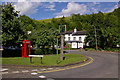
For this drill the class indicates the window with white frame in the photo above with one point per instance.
(69, 38)
(74, 38)
(80, 39)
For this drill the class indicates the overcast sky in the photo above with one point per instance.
(46, 10)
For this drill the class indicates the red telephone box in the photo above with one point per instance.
(26, 48)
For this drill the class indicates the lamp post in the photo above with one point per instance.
(57, 49)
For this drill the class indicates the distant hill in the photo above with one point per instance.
(49, 20)
(66, 18)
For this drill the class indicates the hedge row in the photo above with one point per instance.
(43, 51)
(17, 53)
(11, 53)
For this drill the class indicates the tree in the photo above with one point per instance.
(11, 26)
(111, 30)
(27, 24)
(62, 21)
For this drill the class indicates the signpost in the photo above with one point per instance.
(62, 30)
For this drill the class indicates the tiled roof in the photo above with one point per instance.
(77, 33)
(68, 32)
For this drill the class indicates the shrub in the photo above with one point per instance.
(18, 53)
(68, 45)
(86, 49)
(38, 52)
(44, 51)
(11, 53)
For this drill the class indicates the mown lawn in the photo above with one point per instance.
(48, 60)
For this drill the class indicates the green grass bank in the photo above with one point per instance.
(48, 60)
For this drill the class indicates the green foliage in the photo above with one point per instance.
(37, 52)
(11, 26)
(68, 46)
(90, 49)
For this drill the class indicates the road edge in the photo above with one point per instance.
(91, 60)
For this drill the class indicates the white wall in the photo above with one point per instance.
(77, 37)
(74, 44)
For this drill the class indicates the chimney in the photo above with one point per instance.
(75, 30)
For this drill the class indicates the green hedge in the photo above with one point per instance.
(11, 53)
(44, 51)
(113, 49)
(18, 53)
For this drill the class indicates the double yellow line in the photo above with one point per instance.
(91, 60)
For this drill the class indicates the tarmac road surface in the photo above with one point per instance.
(105, 65)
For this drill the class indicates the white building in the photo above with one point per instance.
(75, 38)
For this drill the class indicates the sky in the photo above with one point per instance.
(46, 10)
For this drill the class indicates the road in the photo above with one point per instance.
(105, 65)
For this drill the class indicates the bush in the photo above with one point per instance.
(68, 45)
(38, 52)
(18, 52)
(11, 53)
(113, 49)
(44, 51)
(86, 49)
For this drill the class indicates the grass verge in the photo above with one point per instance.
(48, 60)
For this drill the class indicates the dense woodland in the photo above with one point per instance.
(44, 32)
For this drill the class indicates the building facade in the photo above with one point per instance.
(75, 38)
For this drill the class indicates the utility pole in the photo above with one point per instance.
(57, 49)
(95, 38)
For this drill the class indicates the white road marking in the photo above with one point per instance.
(50, 68)
(15, 72)
(34, 70)
(34, 73)
(4, 72)
(3, 69)
(42, 76)
(25, 71)
(43, 69)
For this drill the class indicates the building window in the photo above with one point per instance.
(79, 38)
(74, 44)
(74, 38)
(69, 38)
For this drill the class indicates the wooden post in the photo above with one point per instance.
(41, 60)
(61, 55)
(30, 59)
(62, 43)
